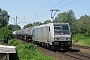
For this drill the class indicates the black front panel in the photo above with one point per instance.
(62, 32)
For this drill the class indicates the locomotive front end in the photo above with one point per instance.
(62, 36)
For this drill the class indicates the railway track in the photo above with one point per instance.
(81, 54)
(82, 49)
(73, 54)
(78, 55)
(61, 55)
(79, 46)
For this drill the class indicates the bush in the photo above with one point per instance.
(78, 37)
(28, 51)
(81, 40)
(5, 34)
(13, 42)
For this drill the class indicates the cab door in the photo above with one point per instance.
(34, 34)
(48, 34)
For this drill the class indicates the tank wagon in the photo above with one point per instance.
(14, 34)
(53, 35)
(28, 34)
(24, 34)
(18, 34)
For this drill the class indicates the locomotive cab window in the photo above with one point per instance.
(57, 28)
(65, 27)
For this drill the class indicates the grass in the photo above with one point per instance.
(28, 51)
(80, 39)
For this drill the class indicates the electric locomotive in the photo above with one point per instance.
(55, 36)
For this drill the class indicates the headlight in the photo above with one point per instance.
(62, 33)
(55, 39)
(68, 38)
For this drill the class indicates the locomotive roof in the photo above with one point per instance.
(49, 24)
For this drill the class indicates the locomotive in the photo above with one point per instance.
(55, 36)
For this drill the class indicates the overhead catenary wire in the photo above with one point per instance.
(43, 14)
(58, 8)
(45, 11)
(44, 5)
(37, 10)
(60, 2)
(48, 12)
(67, 4)
(21, 20)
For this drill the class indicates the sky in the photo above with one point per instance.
(29, 11)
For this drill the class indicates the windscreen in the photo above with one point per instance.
(61, 29)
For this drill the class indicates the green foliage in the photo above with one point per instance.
(80, 39)
(85, 42)
(36, 23)
(83, 25)
(27, 51)
(66, 17)
(47, 21)
(28, 25)
(78, 26)
(5, 34)
(4, 18)
(14, 27)
(13, 42)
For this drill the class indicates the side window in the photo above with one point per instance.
(49, 28)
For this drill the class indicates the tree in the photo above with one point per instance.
(47, 21)
(36, 23)
(14, 27)
(67, 17)
(33, 24)
(28, 25)
(84, 25)
(4, 18)
(5, 34)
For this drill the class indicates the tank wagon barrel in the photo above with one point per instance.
(28, 34)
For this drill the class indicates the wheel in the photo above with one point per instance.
(53, 48)
(48, 46)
